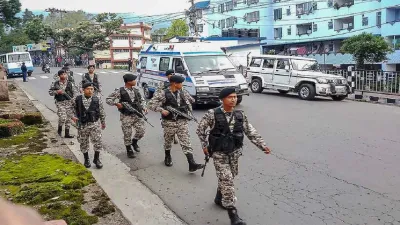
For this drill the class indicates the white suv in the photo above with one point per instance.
(296, 74)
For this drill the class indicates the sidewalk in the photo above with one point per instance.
(138, 204)
(375, 98)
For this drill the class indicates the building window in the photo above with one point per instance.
(222, 24)
(330, 25)
(278, 32)
(200, 28)
(235, 3)
(289, 31)
(199, 13)
(330, 47)
(288, 11)
(305, 8)
(252, 17)
(251, 2)
(230, 21)
(164, 63)
(364, 20)
(229, 6)
(330, 3)
(315, 27)
(221, 8)
(277, 14)
(378, 19)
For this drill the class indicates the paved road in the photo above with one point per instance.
(332, 162)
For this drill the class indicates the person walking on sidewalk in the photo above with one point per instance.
(70, 75)
(91, 77)
(64, 92)
(180, 100)
(90, 117)
(129, 119)
(24, 70)
(224, 144)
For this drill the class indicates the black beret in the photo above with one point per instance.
(129, 77)
(67, 64)
(61, 72)
(90, 66)
(226, 92)
(176, 79)
(87, 84)
(65, 68)
(169, 72)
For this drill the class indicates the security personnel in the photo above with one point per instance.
(64, 92)
(173, 125)
(224, 145)
(91, 77)
(70, 74)
(90, 116)
(165, 85)
(130, 95)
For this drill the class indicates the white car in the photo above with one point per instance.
(295, 74)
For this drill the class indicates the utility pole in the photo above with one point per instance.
(193, 19)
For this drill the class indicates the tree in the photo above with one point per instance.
(8, 10)
(159, 34)
(27, 16)
(177, 28)
(37, 31)
(14, 38)
(366, 47)
(71, 19)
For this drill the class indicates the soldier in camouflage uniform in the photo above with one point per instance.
(165, 85)
(70, 74)
(130, 95)
(90, 117)
(64, 92)
(91, 77)
(173, 125)
(224, 144)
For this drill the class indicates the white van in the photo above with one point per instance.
(294, 74)
(204, 65)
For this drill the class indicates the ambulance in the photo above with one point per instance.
(205, 67)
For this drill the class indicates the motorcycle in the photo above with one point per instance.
(46, 68)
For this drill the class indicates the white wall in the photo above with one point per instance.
(121, 55)
(120, 43)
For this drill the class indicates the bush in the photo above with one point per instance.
(10, 127)
(31, 118)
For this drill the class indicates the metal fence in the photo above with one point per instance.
(385, 82)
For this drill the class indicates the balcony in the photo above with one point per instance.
(305, 28)
(393, 15)
(337, 4)
(346, 23)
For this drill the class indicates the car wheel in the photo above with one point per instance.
(147, 93)
(256, 86)
(307, 91)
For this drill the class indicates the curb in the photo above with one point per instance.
(137, 203)
(375, 99)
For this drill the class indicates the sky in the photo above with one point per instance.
(141, 7)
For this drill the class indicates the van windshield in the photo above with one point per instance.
(305, 65)
(14, 58)
(199, 64)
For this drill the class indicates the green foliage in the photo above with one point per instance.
(71, 19)
(8, 10)
(366, 48)
(37, 31)
(177, 28)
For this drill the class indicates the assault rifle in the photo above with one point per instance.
(188, 116)
(64, 93)
(133, 110)
(205, 164)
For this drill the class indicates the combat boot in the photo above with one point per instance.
(168, 158)
(67, 135)
(135, 145)
(87, 161)
(175, 140)
(130, 152)
(218, 199)
(193, 166)
(235, 219)
(96, 160)
(59, 131)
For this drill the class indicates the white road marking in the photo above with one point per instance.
(103, 72)
(19, 79)
(79, 73)
(44, 77)
(115, 72)
(32, 78)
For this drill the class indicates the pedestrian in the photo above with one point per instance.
(224, 145)
(70, 75)
(129, 64)
(165, 85)
(172, 124)
(130, 95)
(91, 77)
(64, 93)
(24, 70)
(90, 116)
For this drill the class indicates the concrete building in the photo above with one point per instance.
(311, 28)
(124, 46)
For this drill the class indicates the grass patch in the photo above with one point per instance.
(48, 182)
(31, 140)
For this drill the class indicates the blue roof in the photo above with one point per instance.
(243, 46)
(202, 5)
(224, 38)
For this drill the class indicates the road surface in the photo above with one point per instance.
(332, 162)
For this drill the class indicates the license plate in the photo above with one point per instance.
(340, 89)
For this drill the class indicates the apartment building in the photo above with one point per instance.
(311, 28)
(124, 46)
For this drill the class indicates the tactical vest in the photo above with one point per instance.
(136, 104)
(92, 114)
(95, 81)
(221, 139)
(166, 84)
(171, 101)
(68, 90)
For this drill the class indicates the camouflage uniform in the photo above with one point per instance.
(129, 121)
(64, 108)
(226, 165)
(97, 91)
(171, 127)
(90, 130)
(70, 77)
